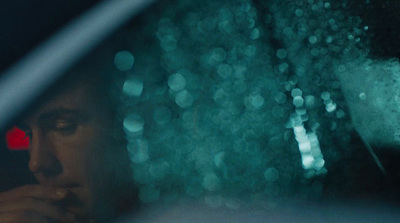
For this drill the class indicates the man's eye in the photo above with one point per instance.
(65, 126)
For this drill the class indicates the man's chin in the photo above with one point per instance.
(86, 209)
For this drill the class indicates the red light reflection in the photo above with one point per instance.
(16, 139)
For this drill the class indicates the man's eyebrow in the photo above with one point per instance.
(59, 112)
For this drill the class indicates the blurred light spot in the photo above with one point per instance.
(362, 96)
(133, 124)
(124, 60)
(250, 51)
(255, 34)
(312, 39)
(298, 12)
(298, 101)
(271, 175)
(307, 161)
(224, 71)
(310, 102)
(138, 150)
(16, 139)
(330, 107)
(281, 53)
(280, 98)
(218, 54)
(133, 87)
(177, 82)
(283, 67)
(256, 101)
(314, 52)
(219, 159)
(340, 114)
(296, 92)
(184, 99)
(325, 95)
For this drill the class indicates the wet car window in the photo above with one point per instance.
(224, 105)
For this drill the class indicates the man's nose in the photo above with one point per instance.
(43, 159)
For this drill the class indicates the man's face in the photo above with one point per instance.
(69, 135)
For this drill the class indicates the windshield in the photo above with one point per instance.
(230, 107)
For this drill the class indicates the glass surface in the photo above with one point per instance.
(229, 107)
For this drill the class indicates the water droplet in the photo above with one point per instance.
(330, 107)
(255, 34)
(224, 71)
(184, 99)
(271, 175)
(340, 114)
(363, 96)
(301, 111)
(310, 101)
(225, 26)
(218, 54)
(342, 68)
(280, 98)
(325, 95)
(314, 52)
(124, 60)
(219, 160)
(281, 53)
(256, 101)
(250, 51)
(296, 92)
(298, 101)
(307, 161)
(133, 124)
(329, 39)
(298, 12)
(312, 39)
(138, 151)
(133, 87)
(169, 43)
(283, 67)
(177, 82)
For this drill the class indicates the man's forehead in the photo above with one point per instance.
(77, 97)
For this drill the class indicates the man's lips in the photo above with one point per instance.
(73, 201)
(72, 198)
